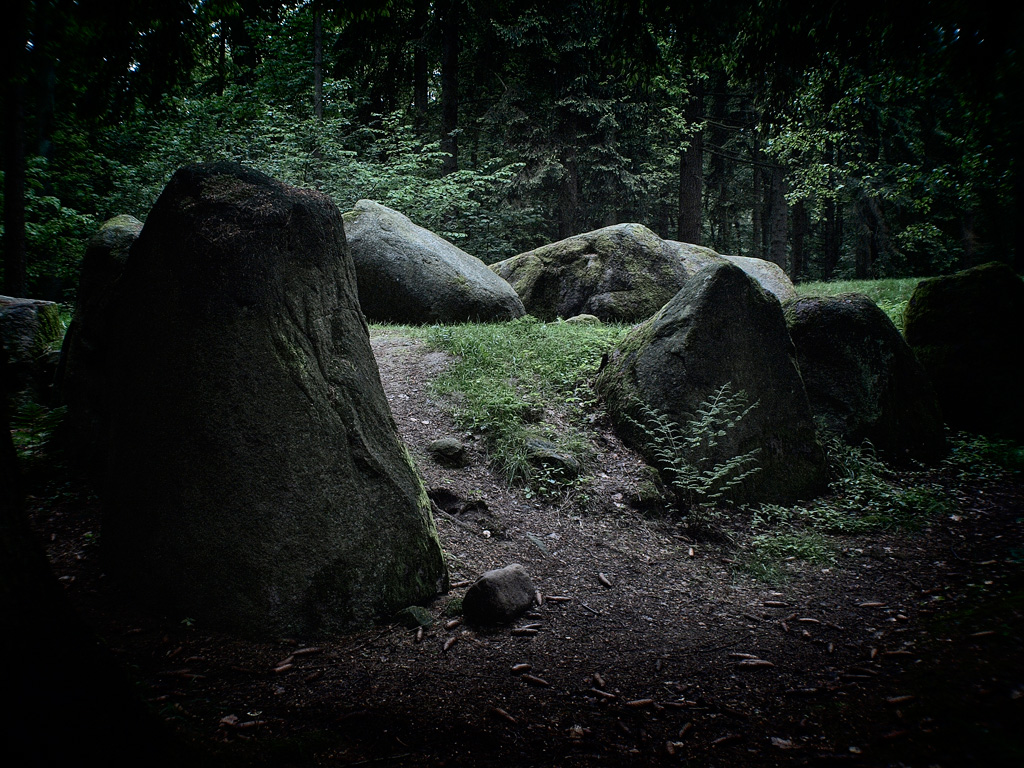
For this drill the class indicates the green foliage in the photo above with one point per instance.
(32, 427)
(570, 117)
(975, 457)
(864, 496)
(685, 454)
(514, 381)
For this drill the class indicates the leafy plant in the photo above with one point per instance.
(685, 455)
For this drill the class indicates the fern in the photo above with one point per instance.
(684, 455)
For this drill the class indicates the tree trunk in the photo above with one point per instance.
(569, 193)
(801, 225)
(757, 249)
(691, 176)
(450, 86)
(721, 170)
(318, 62)
(778, 218)
(868, 215)
(419, 61)
(15, 246)
(833, 248)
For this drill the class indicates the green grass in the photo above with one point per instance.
(524, 379)
(891, 294)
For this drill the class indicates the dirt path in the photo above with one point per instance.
(649, 648)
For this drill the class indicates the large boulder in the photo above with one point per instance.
(768, 274)
(967, 330)
(408, 274)
(29, 329)
(622, 273)
(81, 373)
(862, 378)
(255, 478)
(721, 329)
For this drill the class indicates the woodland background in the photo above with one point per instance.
(840, 140)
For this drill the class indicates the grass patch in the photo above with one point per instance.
(891, 294)
(525, 380)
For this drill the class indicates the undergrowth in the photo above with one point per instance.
(865, 496)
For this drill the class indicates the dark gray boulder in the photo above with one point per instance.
(407, 274)
(499, 596)
(862, 378)
(721, 329)
(768, 275)
(622, 273)
(82, 371)
(255, 478)
(29, 329)
(967, 330)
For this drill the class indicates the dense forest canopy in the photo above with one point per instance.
(862, 139)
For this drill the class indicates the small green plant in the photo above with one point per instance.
(686, 456)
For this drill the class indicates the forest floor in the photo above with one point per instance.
(649, 648)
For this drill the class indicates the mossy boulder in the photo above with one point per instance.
(768, 275)
(81, 373)
(29, 329)
(255, 478)
(862, 378)
(622, 273)
(721, 329)
(967, 330)
(407, 274)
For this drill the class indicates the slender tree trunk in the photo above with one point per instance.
(222, 58)
(719, 203)
(569, 195)
(419, 61)
(778, 218)
(868, 240)
(318, 62)
(691, 176)
(757, 209)
(833, 248)
(450, 86)
(801, 225)
(15, 246)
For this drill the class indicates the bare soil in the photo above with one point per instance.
(649, 648)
